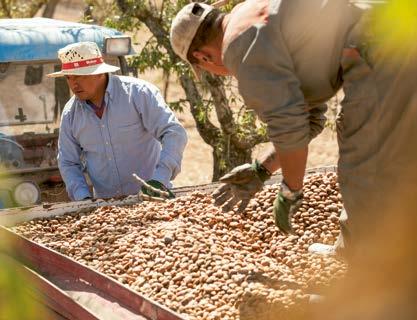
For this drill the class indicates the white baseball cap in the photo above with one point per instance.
(184, 28)
(82, 58)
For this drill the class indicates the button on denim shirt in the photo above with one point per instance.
(137, 133)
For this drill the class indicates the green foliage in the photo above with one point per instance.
(152, 57)
(333, 107)
(20, 8)
(246, 123)
(262, 130)
(178, 105)
(98, 11)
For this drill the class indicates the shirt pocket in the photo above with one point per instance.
(90, 140)
(129, 127)
(128, 136)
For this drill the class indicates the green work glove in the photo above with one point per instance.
(240, 184)
(156, 185)
(285, 205)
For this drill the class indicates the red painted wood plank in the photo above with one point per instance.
(53, 264)
(46, 293)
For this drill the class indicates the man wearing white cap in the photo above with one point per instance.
(118, 125)
(290, 57)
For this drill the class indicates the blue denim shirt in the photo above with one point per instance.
(137, 133)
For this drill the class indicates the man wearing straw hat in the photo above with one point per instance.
(291, 56)
(116, 126)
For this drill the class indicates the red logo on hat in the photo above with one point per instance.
(83, 63)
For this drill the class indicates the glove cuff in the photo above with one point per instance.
(261, 171)
(159, 185)
(288, 193)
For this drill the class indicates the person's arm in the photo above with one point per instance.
(69, 162)
(268, 82)
(270, 160)
(161, 122)
(293, 164)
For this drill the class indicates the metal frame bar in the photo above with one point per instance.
(13, 216)
(12, 172)
(276, 178)
(24, 123)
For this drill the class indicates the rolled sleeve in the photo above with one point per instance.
(166, 170)
(161, 122)
(268, 84)
(81, 193)
(69, 163)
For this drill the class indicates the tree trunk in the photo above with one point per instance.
(227, 157)
(230, 149)
(5, 8)
(50, 8)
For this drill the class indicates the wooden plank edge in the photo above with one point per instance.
(49, 262)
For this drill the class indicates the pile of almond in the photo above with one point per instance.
(201, 262)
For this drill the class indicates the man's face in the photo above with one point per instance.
(209, 58)
(85, 87)
(218, 70)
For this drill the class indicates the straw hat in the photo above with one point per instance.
(82, 58)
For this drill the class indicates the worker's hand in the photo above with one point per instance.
(285, 205)
(157, 185)
(240, 184)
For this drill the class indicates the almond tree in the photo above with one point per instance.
(238, 131)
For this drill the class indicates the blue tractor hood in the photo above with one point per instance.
(40, 38)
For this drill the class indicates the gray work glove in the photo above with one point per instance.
(240, 184)
(285, 205)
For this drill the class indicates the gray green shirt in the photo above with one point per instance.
(288, 67)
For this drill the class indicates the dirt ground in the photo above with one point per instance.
(197, 161)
